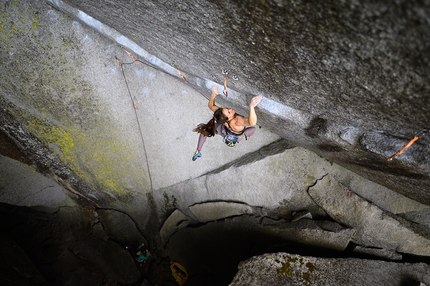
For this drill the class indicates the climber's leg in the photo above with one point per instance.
(249, 131)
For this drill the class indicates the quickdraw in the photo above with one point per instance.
(225, 73)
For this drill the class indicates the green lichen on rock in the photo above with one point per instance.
(55, 136)
(44, 83)
(297, 268)
(104, 162)
(16, 19)
(109, 161)
(286, 268)
(311, 266)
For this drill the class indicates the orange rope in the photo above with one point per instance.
(404, 148)
(131, 56)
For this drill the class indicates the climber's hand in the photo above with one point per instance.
(255, 101)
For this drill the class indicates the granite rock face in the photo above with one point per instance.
(373, 227)
(99, 140)
(322, 217)
(347, 80)
(288, 269)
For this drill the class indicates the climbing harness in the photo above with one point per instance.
(231, 138)
(409, 144)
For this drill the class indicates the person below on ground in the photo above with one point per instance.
(227, 123)
(142, 254)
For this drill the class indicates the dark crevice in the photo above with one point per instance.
(238, 238)
(124, 213)
(313, 185)
(316, 182)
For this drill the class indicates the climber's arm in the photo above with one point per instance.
(211, 103)
(252, 116)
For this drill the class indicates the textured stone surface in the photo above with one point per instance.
(381, 253)
(219, 210)
(374, 227)
(173, 223)
(346, 80)
(288, 269)
(279, 181)
(310, 234)
(84, 113)
(120, 226)
(15, 180)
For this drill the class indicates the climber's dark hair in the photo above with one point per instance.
(209, 129)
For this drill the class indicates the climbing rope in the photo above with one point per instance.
(133, 100)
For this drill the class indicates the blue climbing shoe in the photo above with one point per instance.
(196, 155)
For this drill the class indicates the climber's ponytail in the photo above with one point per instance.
(209, 129)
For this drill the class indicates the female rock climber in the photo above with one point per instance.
(227, 123)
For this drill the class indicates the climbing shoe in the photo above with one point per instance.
(196, 155)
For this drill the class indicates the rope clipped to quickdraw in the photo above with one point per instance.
(409, 144)
(182, 78)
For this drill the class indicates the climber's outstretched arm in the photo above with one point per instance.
(252, 116)
(211, 103)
